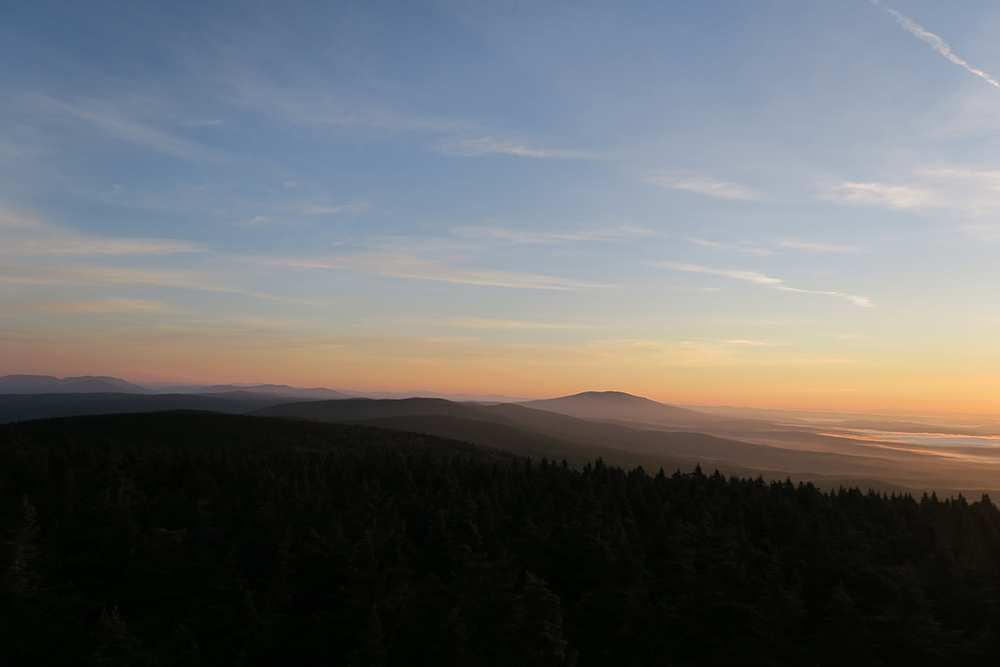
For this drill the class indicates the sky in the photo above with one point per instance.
(759, 203)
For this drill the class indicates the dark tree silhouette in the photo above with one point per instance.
(198, 538)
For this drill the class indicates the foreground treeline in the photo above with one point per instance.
(187, 538)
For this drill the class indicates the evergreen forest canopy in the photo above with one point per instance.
(196, 538)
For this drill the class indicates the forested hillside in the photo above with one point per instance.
(22, 407)
(195, 538)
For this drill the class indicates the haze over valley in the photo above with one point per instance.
(881, 452)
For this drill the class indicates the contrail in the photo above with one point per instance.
(938, 45)
(761, 279)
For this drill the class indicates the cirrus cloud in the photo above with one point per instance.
(488, 145)
(761, 279)
(704, 185)
(822, 247)
(99, 306)
(395, 265)
(21, 235)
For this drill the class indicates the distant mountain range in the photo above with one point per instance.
(318, 393)
(47, 384)
(774, 451)
(534, 432)
(621, 407)
(624, 429)
(24, 407)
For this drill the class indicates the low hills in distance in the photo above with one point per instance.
(619, 406)
(802, 454)
(623, 429)
(23, 407)
(47, 384)
(318, 393)
(44, 384)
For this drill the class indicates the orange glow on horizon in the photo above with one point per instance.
(471, 367)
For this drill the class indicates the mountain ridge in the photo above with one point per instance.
(83, 384)
(529, 431)
(620, 406)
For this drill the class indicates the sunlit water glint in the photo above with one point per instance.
(929, 439)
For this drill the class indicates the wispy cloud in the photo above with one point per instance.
(489, 145)
(884, 194)
(406, 266)
(291, 214)
(69, 245)
(518, 236)
(22, 235)
(353, 207)
(11, 220)
(749, 276)
(962, 192)
(211, 122)
(986, 178)
(113, 123)
(496, 324)
(455, 136)
(386, 119)
(705, 185)
(746, 248)
(244, 84)
(761, 279)
(639, 352)
(938, 45)
(487, 323)
(743, 341)
(118, 275)
(822, 247)
(108, 305)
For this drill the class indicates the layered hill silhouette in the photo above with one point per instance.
(621, 407)
(532, 432)
(89, 384)
(319, 393)
(47, 384)
(23, 407)
(612, 405)
(623, 429)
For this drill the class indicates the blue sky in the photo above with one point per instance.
(745, 202)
